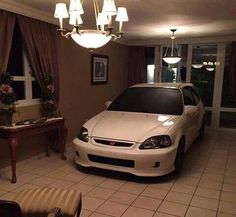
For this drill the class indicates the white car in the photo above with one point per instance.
(144, 131)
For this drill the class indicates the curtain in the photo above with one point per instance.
(137, 67)
(232, 72)
(40, 45)
(7, 23)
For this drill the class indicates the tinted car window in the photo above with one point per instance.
(149, 100)
(188, 97)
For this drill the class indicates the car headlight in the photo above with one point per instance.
(156, 142)
(83, 134)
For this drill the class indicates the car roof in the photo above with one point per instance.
(164, 84)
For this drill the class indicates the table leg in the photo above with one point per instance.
(13, 142)
(62, 141)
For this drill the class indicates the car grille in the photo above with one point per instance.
(113, 143)
(111, 161)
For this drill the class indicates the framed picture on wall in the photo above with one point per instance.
(99, 69)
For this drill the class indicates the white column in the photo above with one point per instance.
(219, 76)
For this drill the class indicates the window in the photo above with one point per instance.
(24, 84)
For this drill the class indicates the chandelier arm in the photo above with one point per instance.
(167, 49)
(66, 35)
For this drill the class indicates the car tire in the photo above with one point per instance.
(180, 156)
(202, 129)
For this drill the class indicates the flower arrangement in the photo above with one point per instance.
(7, 98)
(48, 97)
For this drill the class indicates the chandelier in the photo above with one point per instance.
(91, 38)
(174, 56)
(210, 66)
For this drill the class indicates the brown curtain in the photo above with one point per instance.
(40, 45)
(7, 23)
(232, 72)
(137, 67)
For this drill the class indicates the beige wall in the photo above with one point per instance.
(79, 100)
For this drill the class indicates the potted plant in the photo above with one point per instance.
(7, 99)
(50, 108)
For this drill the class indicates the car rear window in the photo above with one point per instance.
(149, 100)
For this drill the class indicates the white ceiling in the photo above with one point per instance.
(152, 19)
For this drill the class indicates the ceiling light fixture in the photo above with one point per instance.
(174, 56)
(210, 66)
(197, 65)
(91, 38)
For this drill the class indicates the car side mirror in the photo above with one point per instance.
(190, 109)
(108, 103)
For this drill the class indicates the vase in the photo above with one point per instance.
(6, 119)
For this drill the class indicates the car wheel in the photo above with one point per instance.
(179, 156)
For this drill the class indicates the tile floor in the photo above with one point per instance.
(206, 187)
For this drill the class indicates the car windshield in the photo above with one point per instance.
(149, 100)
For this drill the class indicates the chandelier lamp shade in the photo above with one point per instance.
(173, 57)
(103, 30)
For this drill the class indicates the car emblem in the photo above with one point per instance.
(112, 143)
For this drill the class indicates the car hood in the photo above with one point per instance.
(129, 126)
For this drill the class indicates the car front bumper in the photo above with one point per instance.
(156, 162)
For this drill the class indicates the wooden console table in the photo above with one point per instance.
(12, 134)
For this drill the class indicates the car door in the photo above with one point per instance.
(192, 113)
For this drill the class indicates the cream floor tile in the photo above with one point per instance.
(210, 184)
(85, 213)
(123, 197)
(229, 197)
(214, 171)
(155, 193)
(82, 187)
(112, 184)
(68, 167)
(171, 208)
(41, 171)
(2, 192)
(227, 207)
(213, 177)
(137, 212)
(183, 189)
(230, 180)
(159, 214)
(43, 181)
(102, 193)
(198, 212)
(204, 203)
(75, 176)
(186, 180)
(58, 174)
(112, 208)
(162, 185)
(25, 186)
(90, 203)
(209, 193)
(178, 197)
(8, 196)
(8, 186)
(27, 177)
(147, 203)
(133, 188)
(61, 184)
(229, 188)
(93, 180)
(95, 214)
(222, 214)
